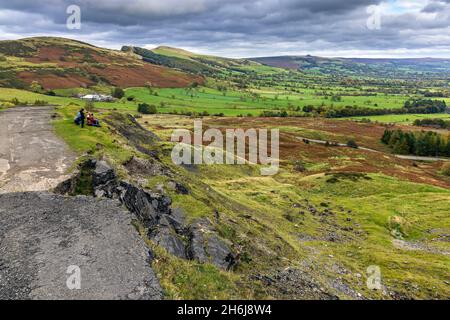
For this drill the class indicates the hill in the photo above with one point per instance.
(57, 63)
(200, 64)
(398, 68)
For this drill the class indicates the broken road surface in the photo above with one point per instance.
(57, 247)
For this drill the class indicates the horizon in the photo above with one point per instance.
(252, 57)
(391, 29)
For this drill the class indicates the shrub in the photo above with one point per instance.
(147, 109)
(89, 106)
(446, 169)
(40, 103)
(352, 144)
(6, 104)
(118, 93)
(299, 166)
(36, 87)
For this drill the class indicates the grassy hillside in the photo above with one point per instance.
(396, 68)
(212, 66)
(62, 63)
(306, 233)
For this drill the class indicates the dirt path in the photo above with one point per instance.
(58, 247)
(32, 157)
(405, 157)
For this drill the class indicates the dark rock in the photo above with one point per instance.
(167, 226)
(206, 246)
(68, 186)
(151, 256)
(219, 252)
(313, 210)
(146, 206)
(217, 215)
(102, 174)
(293, 283)
(169, 240)
(196, 250)
(177, 220)
(104, 180)
(137, 166)
(181, 189)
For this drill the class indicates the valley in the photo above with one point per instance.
(342, 202)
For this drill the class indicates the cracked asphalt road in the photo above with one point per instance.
(32, 157)
(43, 234)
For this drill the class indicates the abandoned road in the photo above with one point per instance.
(54, 246)
(32, 158)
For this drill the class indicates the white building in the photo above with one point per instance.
(97, 97)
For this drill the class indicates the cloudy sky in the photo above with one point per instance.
(245, 28)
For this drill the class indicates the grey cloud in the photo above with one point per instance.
(235, 27)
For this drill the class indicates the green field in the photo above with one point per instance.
(403, 118)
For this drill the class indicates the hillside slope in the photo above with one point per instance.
(359, 66)
(200, 64)
(58, 63)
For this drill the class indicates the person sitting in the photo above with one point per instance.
(92, 121)
(89, 119)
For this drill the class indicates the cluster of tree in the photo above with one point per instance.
(436, 123)
(433, 94)
(349, 111)
(146, 108)
(354, 111)
(272, 114)
(118, 93)
(425, 106)
(171, 62)
(415, 106)
(424, 143)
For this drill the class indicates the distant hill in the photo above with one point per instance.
(399, 68)
(62, 63)
(58, 63)
(198, 64)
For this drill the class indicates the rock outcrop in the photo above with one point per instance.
(166, 225)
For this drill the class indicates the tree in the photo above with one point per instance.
(352, 144)
(401, 147)
(36, 87)
(386, 136)
(89, 106)
(149, 87)
(118, 93)
(145, 108)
